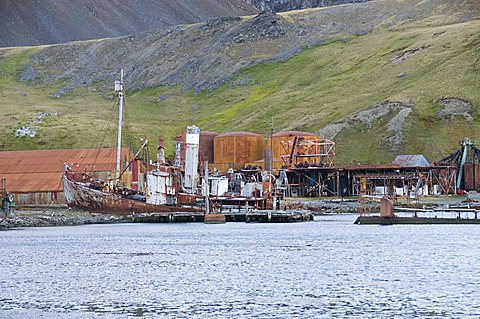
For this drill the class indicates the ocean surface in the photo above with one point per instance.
(322, 269)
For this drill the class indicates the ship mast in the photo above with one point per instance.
(119, 89)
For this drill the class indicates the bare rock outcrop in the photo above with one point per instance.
(368, 116)
(288, 5)
(406, 54)
(454, 107)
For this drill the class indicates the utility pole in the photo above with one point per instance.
(119, 89)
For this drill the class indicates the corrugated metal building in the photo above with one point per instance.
(34, 177)
(411, 161)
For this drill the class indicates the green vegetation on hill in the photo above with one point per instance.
(309, 91)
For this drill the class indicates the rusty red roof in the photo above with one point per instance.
(41, 171)
(411, 161)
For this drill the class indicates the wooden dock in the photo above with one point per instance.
(234, 216)
(390, 215)
(377, 220)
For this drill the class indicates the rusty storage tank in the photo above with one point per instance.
(279, 149)
(235, 149)
(471, 173)
(205, 148)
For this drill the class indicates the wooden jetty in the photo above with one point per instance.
(390, 215)
(377, 220)
(234, 216)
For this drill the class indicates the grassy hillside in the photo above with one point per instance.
(318, 86)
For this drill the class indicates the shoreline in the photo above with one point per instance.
(68, 217)
(62, 216)
(56, 217)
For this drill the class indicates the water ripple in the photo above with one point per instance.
(307, 270)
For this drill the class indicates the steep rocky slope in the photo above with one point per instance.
(381, 78)
(287, 5)
(30, 22)
(205, 55)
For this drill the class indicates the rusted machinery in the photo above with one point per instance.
(466, 160)
(205, 147)
(7, 198)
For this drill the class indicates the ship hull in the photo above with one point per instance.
(79, 196)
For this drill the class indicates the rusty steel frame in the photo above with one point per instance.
(387, 181)
(445, 177)
(301, 181)
(311, 150)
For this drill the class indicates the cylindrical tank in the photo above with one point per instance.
(278, 148)
(205, 151)
(205, 148)
(235, 149)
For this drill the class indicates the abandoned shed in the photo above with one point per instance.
(411, 161)
(34, 177)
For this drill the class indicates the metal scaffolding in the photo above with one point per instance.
(306, 151)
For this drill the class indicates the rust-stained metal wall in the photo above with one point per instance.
(205, 148)
(278, 149)
(471, 176)
(206, 151)
(235, 149)
(39, 198)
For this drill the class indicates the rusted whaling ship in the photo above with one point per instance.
(162, 183)
(85, 195)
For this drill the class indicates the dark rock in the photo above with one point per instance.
(220, 22)
(266, 25)
(301, 33)
(238, 39)
(287, 5)
(164, 97)
(63, 91)
(363, 32)
(436, 34)
(28, 73)
(407, 54)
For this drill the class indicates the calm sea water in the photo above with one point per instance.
(321, 269)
